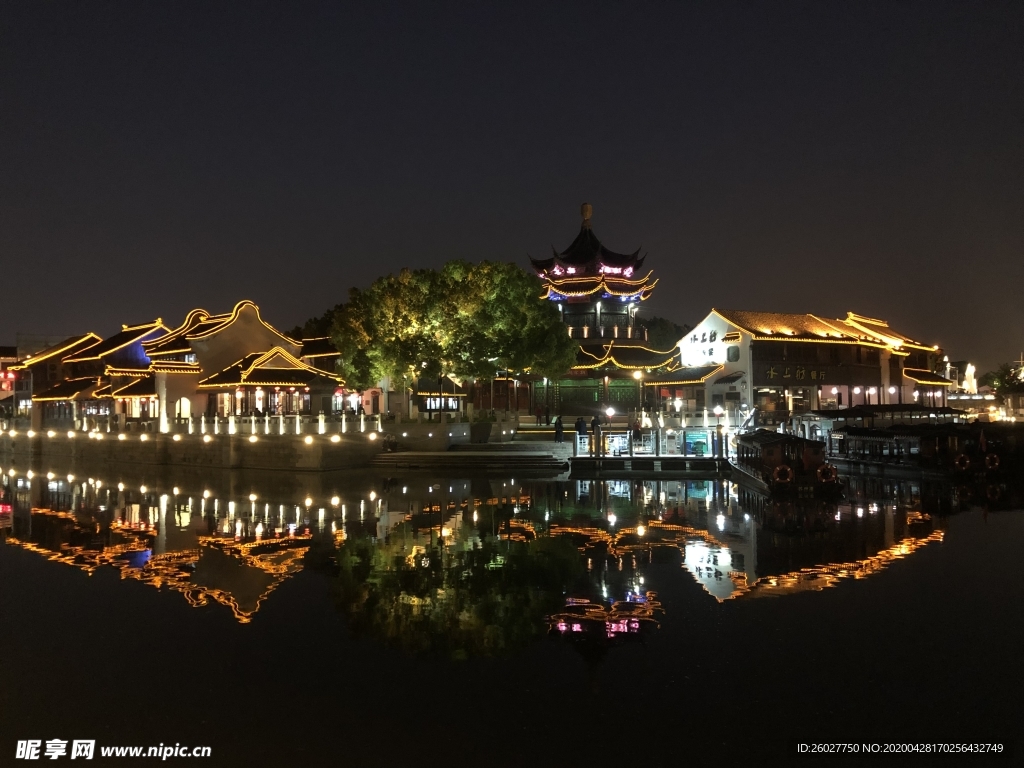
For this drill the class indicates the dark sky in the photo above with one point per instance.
(812, 157)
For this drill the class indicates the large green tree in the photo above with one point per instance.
(467, 320)
(1005, 380)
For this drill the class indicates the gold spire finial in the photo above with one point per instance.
(586, 211)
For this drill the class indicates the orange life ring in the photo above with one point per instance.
(994, 493)
(782, 471)
(962, 462)
(827, 473)
(992, 461)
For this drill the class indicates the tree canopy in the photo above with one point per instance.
(467, 320)
(1005, 380)
(662, 333)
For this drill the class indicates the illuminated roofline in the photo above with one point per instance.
(152, 327)
(234, 317)
(56, 351)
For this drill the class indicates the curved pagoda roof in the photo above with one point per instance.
(588, 256)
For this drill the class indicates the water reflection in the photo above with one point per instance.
(468, 567)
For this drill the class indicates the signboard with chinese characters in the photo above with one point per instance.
(706, 344)
(781, 373)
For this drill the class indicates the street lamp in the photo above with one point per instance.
(718, 411)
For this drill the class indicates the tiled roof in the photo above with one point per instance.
(70, 346)
(682, 376)
(922, 376)
(276, 367)
(70, 389)
(622, 354)
(119, 341)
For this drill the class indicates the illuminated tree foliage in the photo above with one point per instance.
(466, 320)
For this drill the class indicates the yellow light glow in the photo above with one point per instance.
(174, 491)
(51, 433)
(30, 433)
(120, 486)
(207, 438)
(373, 435)
(253, 438)
(142, 489)
(308, 440)
(309, 502)
(206, 494)
(252, 497)
(50, 475)
(176, 438)
(335, 439)
(143, 438)
(335, 501)
(122, 437)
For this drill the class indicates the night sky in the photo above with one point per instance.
(807, 157)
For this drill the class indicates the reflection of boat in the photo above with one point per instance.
(782, 464)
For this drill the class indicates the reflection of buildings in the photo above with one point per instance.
(237, 550)
(162, 544)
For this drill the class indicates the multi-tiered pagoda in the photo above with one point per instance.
(598, 292)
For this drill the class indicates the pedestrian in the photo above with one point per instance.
(559, 430)
(636, 431)
(581, 426)
(598, 439)
(538, 414)
(595, 424)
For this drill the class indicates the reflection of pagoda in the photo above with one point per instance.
(598, 293)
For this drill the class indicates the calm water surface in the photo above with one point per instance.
(413, 619)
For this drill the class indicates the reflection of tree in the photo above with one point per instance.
(486, 599)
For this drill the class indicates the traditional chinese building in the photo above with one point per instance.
(781, 364)
(215, 365)
(598, 292)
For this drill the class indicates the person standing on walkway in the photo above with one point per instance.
(559, 430)
(538, 413)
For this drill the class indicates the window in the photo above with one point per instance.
(732, 353)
